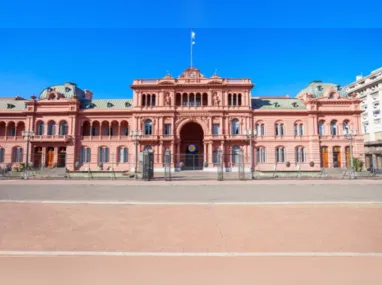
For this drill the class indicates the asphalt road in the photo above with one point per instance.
(193, 193)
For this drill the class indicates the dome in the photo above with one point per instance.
(317, 88)
(68, 90)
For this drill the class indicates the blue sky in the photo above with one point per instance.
(106, 60)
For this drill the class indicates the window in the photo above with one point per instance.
(235, 154)
(63, 129)
(235, 127)
(12, 131)
(261, 155)
(85, 154)
(331, 96)
(321, 128)
(2, 154)
(279, 129)
(376, 113)
(374, 95)
(123, 154)
(345, 127)
(167, 129)
(125, 131)
(260, 129)
(51, 128)
(94, 131)
(215, 129)
(333, 128)
(40, 129)
(148, 147)
(103, 154)
(148, 128)
(215, 157)
(364, 116)
(365, 128)
(280, 154)
(17, 155)
(376, 105)
(377, 121)
(300, 154)
(298, 129)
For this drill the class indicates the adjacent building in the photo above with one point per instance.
(192, 116)
(369, 90)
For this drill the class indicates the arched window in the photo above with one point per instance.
(85, 154)
(103, 156)
(51, 128)
(17, 154)
(123, 154)
(40, 128)
(192, 99)
(63, 130)
(239, 99)
(300, 154)
(143, 100)
(333, 128)
(229, 99)
(185, 99)
(148, 127)
(234, 103)
(153, 100)
(321, 128)
(260, 129)
(279, 129)
(346, 127)
(235, 127)
(280, 154)
(235, 154)
(298, 129)
(261, 154)
(2, 151)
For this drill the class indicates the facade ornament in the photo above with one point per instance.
(167, 99)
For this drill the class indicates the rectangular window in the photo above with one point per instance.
(365, 128)
(296, 130)
(260, 155)
(215, 157)
(301, 130)
(215, 129)
(377, 121)
(123, 155)
(103, 154)
(1, 155)
(376, 113)
(376, 105)
(280, 155)
(85, 155)
(167, 129)
(321, 129)
(17, 154)
(300, 154)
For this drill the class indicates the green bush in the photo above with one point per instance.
(358, 164)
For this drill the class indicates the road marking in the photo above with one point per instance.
(190, 254)
(191, 203)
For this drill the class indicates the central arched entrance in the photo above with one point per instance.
(191, 146)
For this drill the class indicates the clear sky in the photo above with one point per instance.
(106, 60)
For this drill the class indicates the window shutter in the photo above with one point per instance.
(126, 155)
(1, 155)
(101, 159)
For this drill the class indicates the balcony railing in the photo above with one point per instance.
(51, 138)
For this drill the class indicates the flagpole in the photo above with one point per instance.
(191, 48)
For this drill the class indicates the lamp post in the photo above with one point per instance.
(136, 137)
(250, 135)
(27, 135)
(349, 135)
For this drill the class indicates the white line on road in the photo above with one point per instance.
(191, 203)
(190, 254)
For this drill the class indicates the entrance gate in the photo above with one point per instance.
(147, 165)
(240, 165)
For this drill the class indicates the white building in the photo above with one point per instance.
(369, 89)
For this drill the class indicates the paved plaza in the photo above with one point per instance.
(108, 232)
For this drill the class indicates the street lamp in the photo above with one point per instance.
(250, 135)
(136, 137)
(27, 135)
(349, 135)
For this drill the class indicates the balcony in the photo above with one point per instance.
(11, 138)
(51, 138)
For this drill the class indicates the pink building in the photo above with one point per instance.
(192, 116)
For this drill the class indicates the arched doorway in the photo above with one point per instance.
(191, 146)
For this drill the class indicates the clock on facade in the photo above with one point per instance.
(192, 75)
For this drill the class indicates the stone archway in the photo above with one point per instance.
(191, 146)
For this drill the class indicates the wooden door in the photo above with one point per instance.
(324, 157)
(347, 156)
(337, 156)
(50, 155)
